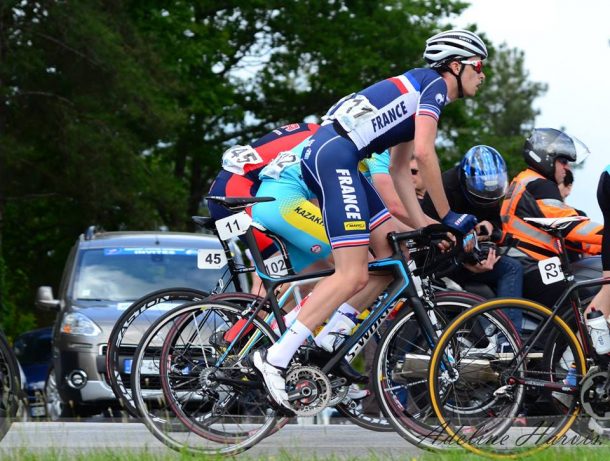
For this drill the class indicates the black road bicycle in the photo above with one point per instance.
(484, 370)
(212, 389)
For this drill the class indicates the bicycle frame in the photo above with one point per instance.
(570, 294)
(401, 286)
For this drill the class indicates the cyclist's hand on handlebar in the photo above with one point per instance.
(448, 243)
(461, 223)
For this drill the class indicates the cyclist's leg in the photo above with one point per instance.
(295, 219)
(343, 201)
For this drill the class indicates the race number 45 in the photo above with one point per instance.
(550, 270)
(234, 225)
(211, 259)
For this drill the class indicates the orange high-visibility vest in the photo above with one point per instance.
(519, 203)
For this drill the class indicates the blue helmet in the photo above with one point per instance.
(483, 176)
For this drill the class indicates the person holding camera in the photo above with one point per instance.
(477, 186)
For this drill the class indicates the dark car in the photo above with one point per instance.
(104, 273)
(33, 350)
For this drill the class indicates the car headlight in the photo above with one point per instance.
(79, 324)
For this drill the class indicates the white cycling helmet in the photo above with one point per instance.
(451, 44)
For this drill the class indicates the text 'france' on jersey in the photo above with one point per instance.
(383, 114)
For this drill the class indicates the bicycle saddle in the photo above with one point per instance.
(237, 203)
(555, 224)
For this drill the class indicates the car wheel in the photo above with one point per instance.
(54, 405)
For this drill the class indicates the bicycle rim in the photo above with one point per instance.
(484, 407)
(206, 432)
(10, 383)
(128, 332)
(401, 374)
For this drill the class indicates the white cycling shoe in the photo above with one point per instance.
(272, 376)
(355, 393)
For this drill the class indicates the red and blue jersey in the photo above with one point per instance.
(249, 160)
(383, 114)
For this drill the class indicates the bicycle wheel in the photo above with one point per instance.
(482, 374)
(451, 303)
(128, 331)
(132, 324)
(400, 372)
(200, 414)
(10, 385)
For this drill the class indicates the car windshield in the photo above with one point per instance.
(126, 274)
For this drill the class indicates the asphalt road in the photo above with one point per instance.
(342, 441)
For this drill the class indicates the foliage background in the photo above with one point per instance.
(116, 112)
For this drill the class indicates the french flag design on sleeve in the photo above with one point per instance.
(432, 99)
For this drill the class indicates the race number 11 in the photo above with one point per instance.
(233, 225)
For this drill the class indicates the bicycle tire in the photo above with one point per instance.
(206, 440)
(398, 383)
(10, 386)
(117, 352)
(353, 412)
(492, 419)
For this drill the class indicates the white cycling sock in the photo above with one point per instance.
(289, 318)
(331, 326)
(280, 354)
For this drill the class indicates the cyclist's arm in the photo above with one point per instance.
(400, 172)
(427, 161)
(384, 186)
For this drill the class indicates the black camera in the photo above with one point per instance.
(479, 254)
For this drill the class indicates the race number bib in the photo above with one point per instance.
(550, 270)
(233, 226)
(211, 259)
(236, 158)
(276, 266)
(279, 163)
(354, 112)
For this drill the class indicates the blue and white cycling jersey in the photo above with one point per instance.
(383, 115)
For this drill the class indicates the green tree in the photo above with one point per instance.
(501, 115)
(82, 100)
(116, 112)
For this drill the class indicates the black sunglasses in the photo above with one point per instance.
(563, 160)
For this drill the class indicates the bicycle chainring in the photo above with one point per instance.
(309, 390)
(594, 395)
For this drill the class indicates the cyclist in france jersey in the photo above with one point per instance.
(242, 164)
(401, 111)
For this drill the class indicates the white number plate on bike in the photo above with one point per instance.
(550, 270)
(149, 367)
(276, 266)
(233, 225)
(211, 259)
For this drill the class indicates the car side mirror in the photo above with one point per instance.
(45, 299)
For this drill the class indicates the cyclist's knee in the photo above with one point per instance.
(353, 279)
